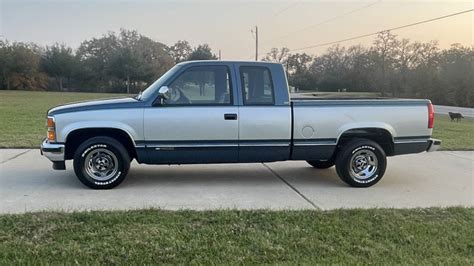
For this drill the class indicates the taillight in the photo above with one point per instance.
(430, 115)
(51, 124)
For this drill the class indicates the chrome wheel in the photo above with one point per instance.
(363, 164)
(101, 164)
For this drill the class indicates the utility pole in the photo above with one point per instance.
(220, 58)
(256, 42)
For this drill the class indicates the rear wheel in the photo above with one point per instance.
(321, 164)
(361, 163)
(101, 163)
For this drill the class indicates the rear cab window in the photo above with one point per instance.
(257, 86)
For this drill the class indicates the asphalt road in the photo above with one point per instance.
(439, 179)
(442, 109)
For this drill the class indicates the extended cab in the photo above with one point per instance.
(234, 112)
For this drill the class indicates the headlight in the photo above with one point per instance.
(51, 125)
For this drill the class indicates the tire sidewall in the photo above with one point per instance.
(100, 143)
(344, 163)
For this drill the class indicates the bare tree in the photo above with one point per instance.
(277, 55)
(385, 48)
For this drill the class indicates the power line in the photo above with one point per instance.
(329, 20)
(375, 33)
(281, 11)
(285, 9)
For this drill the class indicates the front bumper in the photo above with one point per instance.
(433, 145)
(53, 151)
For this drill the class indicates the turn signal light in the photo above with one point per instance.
(50, 122)
(51, 129)
(51, 135)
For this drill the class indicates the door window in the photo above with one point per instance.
(257, 86)
(202, 85)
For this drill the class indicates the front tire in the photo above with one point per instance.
(101, 163)
(361, 163)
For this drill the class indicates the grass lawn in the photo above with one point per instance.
(381, 236)
(22, 116)
(455, 135)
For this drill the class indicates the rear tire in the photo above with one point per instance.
(361, 163)
(101, 163)
(321, 164)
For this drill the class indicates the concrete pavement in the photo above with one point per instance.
(439, 179)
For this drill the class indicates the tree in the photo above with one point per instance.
(6, 63)
(359, 69)
(297, 67)
(59, 61)
(19, 64)
(202, 52)
(181, 51)
(126, 60)
(331, 69)
(277, 55)
(385, 48)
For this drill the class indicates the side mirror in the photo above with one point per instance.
(164, 93)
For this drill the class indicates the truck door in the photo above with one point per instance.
(199, 123)
(264, 114)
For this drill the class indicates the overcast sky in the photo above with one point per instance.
(226, 24)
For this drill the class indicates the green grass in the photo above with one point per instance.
(381, 236)
(455, 135)
(22, 116)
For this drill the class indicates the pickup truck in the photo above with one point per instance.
(234, 112)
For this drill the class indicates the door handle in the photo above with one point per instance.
(230, 116)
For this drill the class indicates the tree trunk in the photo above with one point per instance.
(201, 89)
(60, 79)
(128, 84)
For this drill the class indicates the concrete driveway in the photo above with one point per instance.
(439, 179)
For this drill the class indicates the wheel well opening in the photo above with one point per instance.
(378, 135)
(76, 137)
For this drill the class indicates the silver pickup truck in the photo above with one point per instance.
(234, 112)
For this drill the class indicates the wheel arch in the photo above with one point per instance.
(381, 135)
(77, 136)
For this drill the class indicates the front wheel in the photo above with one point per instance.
(361, 163)
(101, 163)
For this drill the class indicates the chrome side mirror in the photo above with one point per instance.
(164, 92)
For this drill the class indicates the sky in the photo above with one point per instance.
(226, 24)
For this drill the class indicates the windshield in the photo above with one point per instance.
(153, 88)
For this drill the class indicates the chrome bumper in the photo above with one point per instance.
(433, 145)
(54, 152)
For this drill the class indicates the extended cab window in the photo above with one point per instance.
(201, 85)
(257, 87)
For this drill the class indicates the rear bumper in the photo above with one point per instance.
(416, 145)
(433, 145)
(53, 151)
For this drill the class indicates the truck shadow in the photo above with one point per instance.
(229, 175)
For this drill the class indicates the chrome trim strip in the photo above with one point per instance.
(410, 141)
(266, 145)
(192, 146)
(314, 144)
